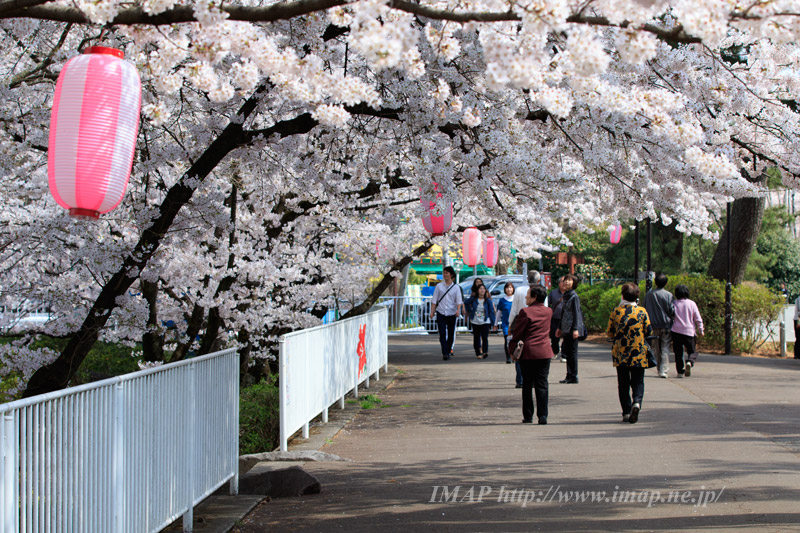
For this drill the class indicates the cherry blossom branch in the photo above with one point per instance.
(285, 11)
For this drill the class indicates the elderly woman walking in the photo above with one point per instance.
(628, 329)
(531, 327)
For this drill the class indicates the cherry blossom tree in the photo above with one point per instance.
(280, 141)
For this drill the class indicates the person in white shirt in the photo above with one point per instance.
(520, 295)
(447, 305)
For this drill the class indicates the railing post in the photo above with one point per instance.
(191, 450)
(9, 504)
(118, 454)
(282, 393)
(783, 333)
(235, 385)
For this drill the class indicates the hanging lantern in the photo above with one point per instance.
(436, 225)
(93, 128)
(471, 246)
(491, 252)
(615, 234)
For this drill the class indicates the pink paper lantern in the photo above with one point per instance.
(615, 234)
(433, 224)
(93, 129)
(471, 246)
(491, 252)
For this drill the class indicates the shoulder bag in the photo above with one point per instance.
(517, 353)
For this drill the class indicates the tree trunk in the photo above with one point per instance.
(153, 340)
(58, 374)
(744, 226)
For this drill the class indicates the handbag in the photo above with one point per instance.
(517, 353)
(651, 356)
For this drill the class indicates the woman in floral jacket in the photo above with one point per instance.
(628, 329)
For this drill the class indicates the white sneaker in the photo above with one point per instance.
(688, 370)
(663, 375)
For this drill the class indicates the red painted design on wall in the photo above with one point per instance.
(362, 349)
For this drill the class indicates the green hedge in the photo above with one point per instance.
(259, 417)
(754, 307)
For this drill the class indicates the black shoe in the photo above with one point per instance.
(542, 420)
(519, 386)
(508, 360)
(527, 421)
(634, 413)
(446, 357)
(573, 380)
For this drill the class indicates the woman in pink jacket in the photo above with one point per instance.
(687, 318)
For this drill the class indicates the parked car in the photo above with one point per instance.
(497, 284)
(466, 284)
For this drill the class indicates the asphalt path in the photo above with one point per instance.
(448, 452)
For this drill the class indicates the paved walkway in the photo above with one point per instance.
(728, 436)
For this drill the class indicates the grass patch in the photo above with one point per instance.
(370, 401)
(713, 405)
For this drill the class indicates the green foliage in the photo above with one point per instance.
(754, 308)
(597, 302)
(777, 255)
(259, 417)
(416, 279)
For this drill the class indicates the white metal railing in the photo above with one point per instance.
(412, 314)
(320, 365)
(130, 453)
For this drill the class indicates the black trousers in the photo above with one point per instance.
(447, 331)
(480, 337)
(796, 341)
(630, 379)
(554, 342)
(679, 342)
(534, 376)
(569, 349)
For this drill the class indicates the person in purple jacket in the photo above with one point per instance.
(687, 318)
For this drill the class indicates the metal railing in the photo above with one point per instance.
(130, 453)
(319, 366)
(412, 314)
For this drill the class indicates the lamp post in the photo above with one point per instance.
(636, 253)
(649, 282)
(728, 286)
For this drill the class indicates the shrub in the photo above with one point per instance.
(259, 417)
(597, 302)
(754, 308)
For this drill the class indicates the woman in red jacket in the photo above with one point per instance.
(532, 328)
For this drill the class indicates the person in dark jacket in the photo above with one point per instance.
(481, 316)
(661, 310)
(554, 302)
(571, 327)
(532, 328)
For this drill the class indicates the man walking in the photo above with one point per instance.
(447, 304)
(661, 310)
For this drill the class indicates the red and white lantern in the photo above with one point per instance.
(433, 224)
(471, 246)
(491, 252)
(615, 234)
(93, 129)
